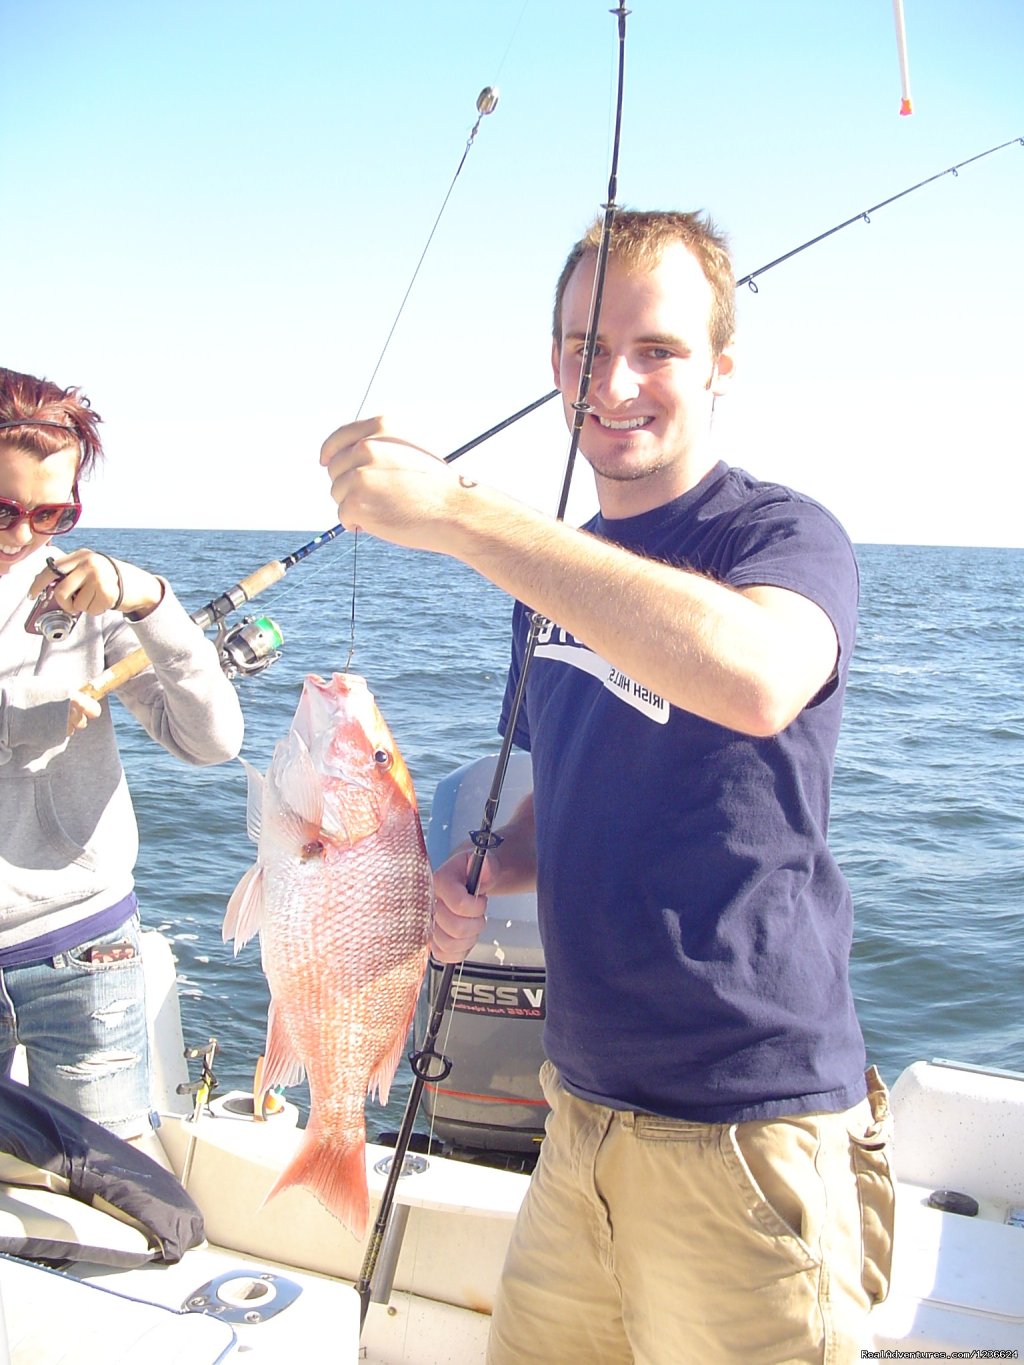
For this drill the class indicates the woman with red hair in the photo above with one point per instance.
(71, 979)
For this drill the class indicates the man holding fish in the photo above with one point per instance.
(713, 1184)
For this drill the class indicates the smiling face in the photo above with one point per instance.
(32, 481)
(654, 378)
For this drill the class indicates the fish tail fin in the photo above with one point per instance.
(335, 1176)
(387, 1064)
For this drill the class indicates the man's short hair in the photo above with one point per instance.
(638, 240)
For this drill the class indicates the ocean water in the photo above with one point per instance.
(928, 799)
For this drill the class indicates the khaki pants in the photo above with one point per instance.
(662, 1242)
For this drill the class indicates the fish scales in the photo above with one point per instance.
(341, 897)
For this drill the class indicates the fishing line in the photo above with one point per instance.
(352, 617)
(486, 103)
(294, 585)
(508, 47)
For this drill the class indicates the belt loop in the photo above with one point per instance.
(880, 1130)
(627, 1118)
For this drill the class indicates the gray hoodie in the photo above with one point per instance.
(68, 836)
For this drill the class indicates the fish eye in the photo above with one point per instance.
(382, 758)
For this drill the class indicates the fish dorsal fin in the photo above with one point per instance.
(244, 914)
(253, 800)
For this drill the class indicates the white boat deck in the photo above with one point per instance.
(958, 1282)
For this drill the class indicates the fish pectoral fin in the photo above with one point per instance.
(244, 914)
(253, 801)
(387, 1064)
(295, 778)
(280, 1064)
(335, 831)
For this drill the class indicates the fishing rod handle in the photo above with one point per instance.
(244, 591)
(113, 677)
(262, 578)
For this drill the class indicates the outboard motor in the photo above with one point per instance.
(491, 1101)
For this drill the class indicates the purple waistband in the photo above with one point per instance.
(71, 935)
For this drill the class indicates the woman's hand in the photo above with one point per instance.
(91, 582)
(83, 709)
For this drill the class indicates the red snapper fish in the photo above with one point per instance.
(341, 896)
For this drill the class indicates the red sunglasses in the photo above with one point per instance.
(48, 519)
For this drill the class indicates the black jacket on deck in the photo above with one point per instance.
(95, 1163)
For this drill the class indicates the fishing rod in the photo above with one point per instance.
(249, 647)
(484, 839)
(865, 214)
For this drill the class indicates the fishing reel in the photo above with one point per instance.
(249, 646)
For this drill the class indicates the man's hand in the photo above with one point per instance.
(390, 487)
(510, 867)
(459, 918)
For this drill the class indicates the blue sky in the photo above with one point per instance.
(213, 209)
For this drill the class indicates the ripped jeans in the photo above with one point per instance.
(83, 1026)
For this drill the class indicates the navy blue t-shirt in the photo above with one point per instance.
(696, 927)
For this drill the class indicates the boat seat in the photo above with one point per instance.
(961, 1127)
(957, 1280)
(44, 1223)
(53, 1318)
